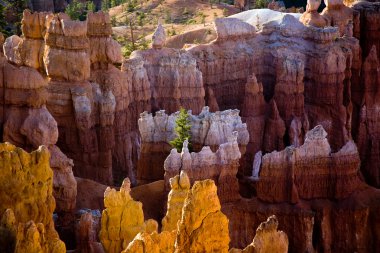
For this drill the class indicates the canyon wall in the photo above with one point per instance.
(25, 119)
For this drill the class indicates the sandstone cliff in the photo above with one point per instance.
(25, 120)
(333, 175)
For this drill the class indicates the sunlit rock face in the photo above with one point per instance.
(28, 205)
(26, 121)
(310, 171)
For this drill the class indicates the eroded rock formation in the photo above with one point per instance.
(368, 136)
(339, 15)
(334, 175)
(28, 206)
(122, 219)
(311, 15)
(180, 187)
(267, 239)
(207, 129)
(203, 227)
(26, 122)
(222, 166)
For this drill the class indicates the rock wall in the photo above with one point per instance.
(333, 175)
(25, 120)
(367, 135)
(221, 166)
(211, 129)
(28, 207)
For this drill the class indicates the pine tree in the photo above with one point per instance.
(3, 23)
(182, 130)
(14, 10)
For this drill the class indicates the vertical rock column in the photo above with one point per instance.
(73, 100)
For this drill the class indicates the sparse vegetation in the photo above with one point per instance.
(261, 4)
(11, 11)
(78, 10)
(182, 130)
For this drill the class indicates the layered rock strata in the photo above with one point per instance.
(367, 25)
(334, 175)
(317, 190)
(339, 15)
(25, 120)
(368, 137)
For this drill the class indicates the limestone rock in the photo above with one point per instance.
(367, 25)
(33, 25)
(31, 237)
(287, 169)
(22, 172)
(64, 183)
(180, 187)
(274, 130)
(86, 234)
(222, 167)
(367, 137)
(212, 129)
(10, 47)
(159, 37)
(122, 219)
(40, 128)
(155, 243)
(103, 49)
(208, 128)
(230, 28)
(203, 227)
(267, 239)
(66, 51)
(311, 15)
(339, 15)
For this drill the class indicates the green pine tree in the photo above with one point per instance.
(182, 130)
(3, 23)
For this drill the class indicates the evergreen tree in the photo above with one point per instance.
(182, 130)
(78, 10)
(3, 23)
(14, 10)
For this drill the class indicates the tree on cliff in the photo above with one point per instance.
(182, 130)
(78, 10)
